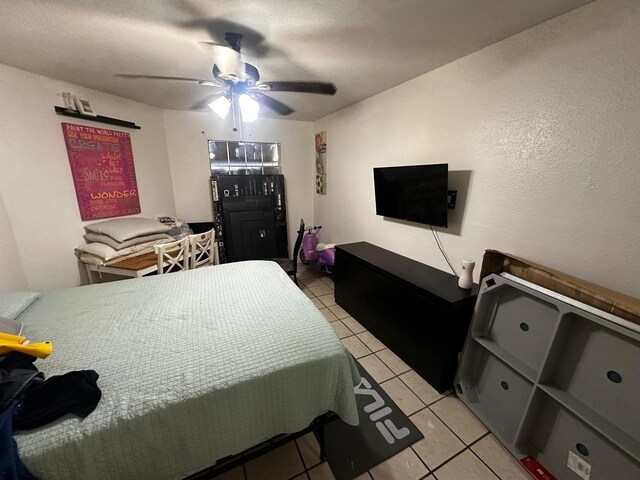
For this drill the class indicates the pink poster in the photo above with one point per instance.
(103, 172)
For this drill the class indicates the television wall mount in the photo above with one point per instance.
(451, 199)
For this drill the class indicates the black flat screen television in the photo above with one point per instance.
(417, 193)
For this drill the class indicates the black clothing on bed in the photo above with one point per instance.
(17, 372)
(11, 467)
(27, 401)
(74, 392)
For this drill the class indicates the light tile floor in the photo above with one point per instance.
(456, 444)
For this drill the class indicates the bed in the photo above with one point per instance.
(194, 366)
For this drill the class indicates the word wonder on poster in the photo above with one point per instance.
(103, 171)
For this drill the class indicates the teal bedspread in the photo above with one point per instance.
(194, 366)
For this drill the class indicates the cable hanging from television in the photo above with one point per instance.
(442, 250)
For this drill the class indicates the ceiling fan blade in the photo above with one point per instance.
(213, 44)
(208, 83)
(322, 88)
(199, 105)
(251, 72)
(272, 104)
(253, 42)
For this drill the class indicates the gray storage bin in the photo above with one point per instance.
(601, 369)
(498, 393)
(555, 432)
(518, 321)
(573, 376)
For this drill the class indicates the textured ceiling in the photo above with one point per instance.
(364, 47)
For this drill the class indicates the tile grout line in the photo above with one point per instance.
(466, 447)
(311, 467)
(397, 375)
(417, 411)
(384, 381)
(480, 458)
(457, 436)
(420, 458)
(427, 405)
(385, 363)
(304, 472)
(304, 465)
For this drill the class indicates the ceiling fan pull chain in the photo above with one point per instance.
(234, 105)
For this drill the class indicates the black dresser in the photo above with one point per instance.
(418, 311)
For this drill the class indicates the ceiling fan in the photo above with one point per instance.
(239, 84)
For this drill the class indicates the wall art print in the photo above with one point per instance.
(103, 172)
(321, 163)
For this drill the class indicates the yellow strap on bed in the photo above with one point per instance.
(12, 338)
(40, 349)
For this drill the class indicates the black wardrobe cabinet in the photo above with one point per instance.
(419, 312)
(250, 217)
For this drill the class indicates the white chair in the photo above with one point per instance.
(173, 256)
(204, 249)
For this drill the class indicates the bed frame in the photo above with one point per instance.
(227, 463)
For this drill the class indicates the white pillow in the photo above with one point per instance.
(106, 239)
(104, 253)
(13, 304)
(90, 259)
(98, 249)
(122, 229)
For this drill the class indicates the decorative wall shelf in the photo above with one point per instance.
(99, 118)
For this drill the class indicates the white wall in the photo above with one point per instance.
(39, 218)
(12, 277)
(547, 123)
(187, 134)
(36, 182)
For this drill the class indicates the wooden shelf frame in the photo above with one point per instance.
(100, 118)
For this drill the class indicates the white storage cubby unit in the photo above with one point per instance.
(554, 379)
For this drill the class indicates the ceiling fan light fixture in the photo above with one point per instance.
(236, 83)
(249, 108)
(221, 106)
